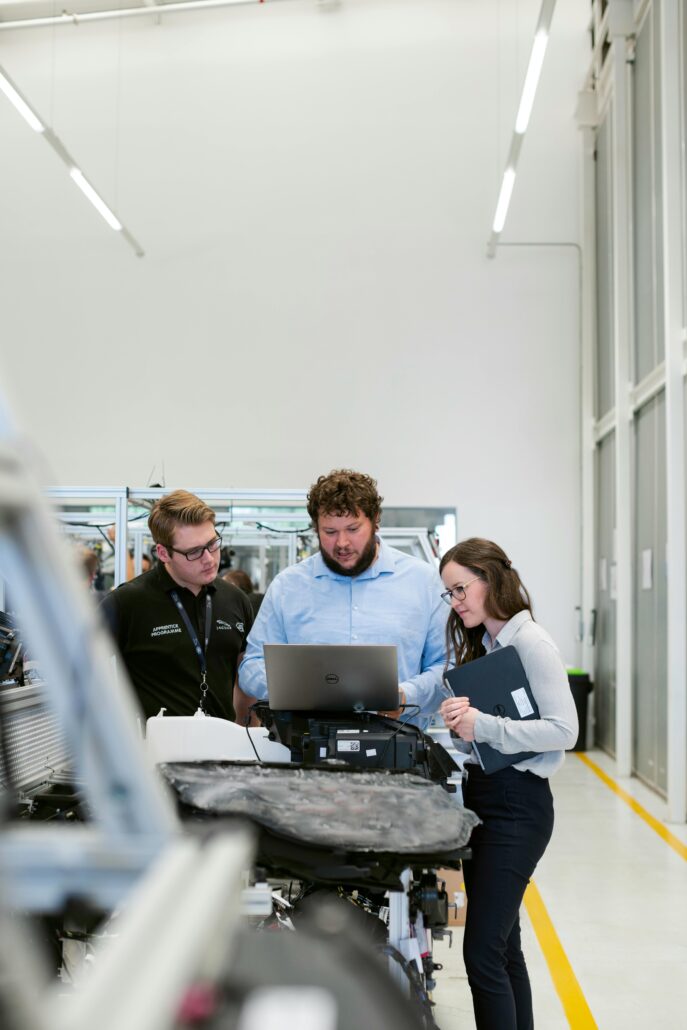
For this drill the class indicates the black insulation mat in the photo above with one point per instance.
(331, 823)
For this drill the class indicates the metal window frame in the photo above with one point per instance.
(612, 86)
(672, 126)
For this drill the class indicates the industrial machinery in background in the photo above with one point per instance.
(263, 531)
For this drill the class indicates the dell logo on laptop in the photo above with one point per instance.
(331, 677)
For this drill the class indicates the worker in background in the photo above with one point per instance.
(181, 630)
(90, 566)
(355, 590)
(242, 580)
(107, 562)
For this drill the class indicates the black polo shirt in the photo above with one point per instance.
(157, 649)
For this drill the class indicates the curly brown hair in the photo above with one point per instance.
(506, 595)
(345, 492)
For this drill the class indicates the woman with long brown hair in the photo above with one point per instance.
(490, 608)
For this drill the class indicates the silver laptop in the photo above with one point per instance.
(332, 677)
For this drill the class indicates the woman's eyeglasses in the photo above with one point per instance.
(458, 592)
(194, 553)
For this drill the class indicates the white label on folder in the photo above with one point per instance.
(370, 751)
(323, 752)
(522, 702)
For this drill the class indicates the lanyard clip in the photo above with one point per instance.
(203, 692)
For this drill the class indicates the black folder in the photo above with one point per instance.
(497, 685)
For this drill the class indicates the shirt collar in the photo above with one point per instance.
(383, 563)
(169, 584)
(508, 631)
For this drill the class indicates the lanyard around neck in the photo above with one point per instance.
(201, 652)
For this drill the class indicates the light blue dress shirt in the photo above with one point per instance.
(396, 601)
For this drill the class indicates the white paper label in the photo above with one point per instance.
(348, 745)
(614, 582)
(522, 702)
(371, 751)
(647, 569)
(323, 752)
(309, 1008)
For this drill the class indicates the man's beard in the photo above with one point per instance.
(366, 559)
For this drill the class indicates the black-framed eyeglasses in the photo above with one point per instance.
(458, 592)
(194, 553)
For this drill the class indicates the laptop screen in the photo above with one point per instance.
(332, 677)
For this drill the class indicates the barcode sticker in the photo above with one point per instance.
(348, 745)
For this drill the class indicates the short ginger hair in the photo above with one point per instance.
(180, 508)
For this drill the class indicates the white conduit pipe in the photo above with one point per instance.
(153, 9)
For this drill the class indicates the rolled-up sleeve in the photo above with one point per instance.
(426, 688)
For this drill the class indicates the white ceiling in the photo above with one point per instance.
(314, 187)
(183, 120)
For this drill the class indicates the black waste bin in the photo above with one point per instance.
(581, 686)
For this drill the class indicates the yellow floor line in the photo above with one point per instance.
(674, 842)
(564, 980)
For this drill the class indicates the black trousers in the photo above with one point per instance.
(516, 809)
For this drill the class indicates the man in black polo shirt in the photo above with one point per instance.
(180, 629)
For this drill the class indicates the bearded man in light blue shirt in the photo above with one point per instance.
(355, 590)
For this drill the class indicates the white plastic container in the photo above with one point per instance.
(202, 738)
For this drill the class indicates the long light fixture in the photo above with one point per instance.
(96, 200)
(15, 98)
(534, 68)
(150, 7)
(504, 199)
(529, 90)
(29, 115)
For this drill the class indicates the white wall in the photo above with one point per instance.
(314, 189)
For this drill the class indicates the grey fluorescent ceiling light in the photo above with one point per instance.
(529, 89)
(89, 191)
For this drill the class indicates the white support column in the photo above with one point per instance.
(671, 118)
(620, 21)
(138, 553)
(587, 117)
(121, 540)
(399, 928)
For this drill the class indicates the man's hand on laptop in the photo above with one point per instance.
(397, 712)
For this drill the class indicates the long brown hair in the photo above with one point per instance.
(505, 597)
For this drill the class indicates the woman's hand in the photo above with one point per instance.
(466, 727)
(452, 711)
